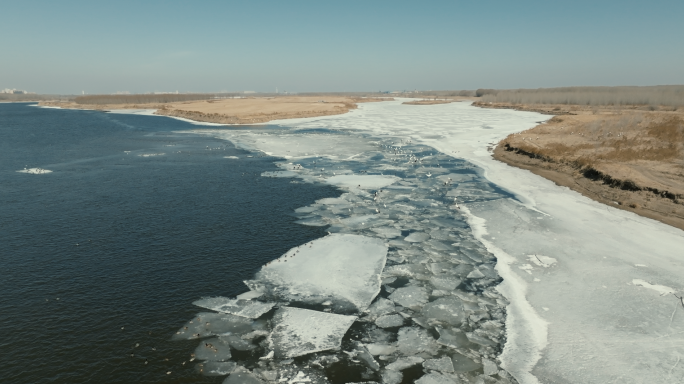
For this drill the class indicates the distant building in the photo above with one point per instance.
(14, 91)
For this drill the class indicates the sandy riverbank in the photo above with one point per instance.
(629, 157)
(240, 111)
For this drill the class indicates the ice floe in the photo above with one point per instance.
(35, 171)
(344, 268)
(299, 332)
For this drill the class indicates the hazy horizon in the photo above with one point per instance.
(75, 46)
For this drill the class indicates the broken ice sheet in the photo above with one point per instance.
(411, 297)
(417, 237)
(452, 338)
(211, 323)
(245, 308)
(390, 321)
(436, 378)
(446, 309)
(340, 267)
(299, 331)
(215, 349)
(443, 364)
(412, 341)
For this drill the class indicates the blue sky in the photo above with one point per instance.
(142, 46)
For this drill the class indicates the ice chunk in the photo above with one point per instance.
(392, 377)
(411, 297)
(387, 232)
(404, 362)
(477, 339)
(242, 376)
(446, 309)
(452, 338)
(490, 367)
(216, 368)
(409, 270)
(238, 343)
(442, 364)
(210, 323)
(381, 349)
(298, 331)
(475, 274)
(244, 308)
(412, 340)
(447, 283)
(464, 364)
(340, 267)
(215, 349)
(363, 354)
(417, 237)
(435, 378)
(381, 307)
(389, 321)
(362, 181)
(35, 171)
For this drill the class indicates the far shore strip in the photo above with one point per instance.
(253, 110)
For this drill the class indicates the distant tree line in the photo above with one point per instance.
(659, 95)
(32, 97)
(150, 98)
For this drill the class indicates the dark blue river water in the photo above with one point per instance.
(110, 249)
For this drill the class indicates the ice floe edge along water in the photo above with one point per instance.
(438, 315)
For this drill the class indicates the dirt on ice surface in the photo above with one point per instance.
(588, 289)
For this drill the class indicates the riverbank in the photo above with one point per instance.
(627, 157)
(238, 111)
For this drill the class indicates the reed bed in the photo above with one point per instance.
(660, 95)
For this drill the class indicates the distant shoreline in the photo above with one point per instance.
(238, 111)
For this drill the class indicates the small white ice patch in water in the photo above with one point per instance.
(150, 154)
(298, 332)
(34, 171)
(230, 157)
(663, 290)
(362, 181)
(244, 308)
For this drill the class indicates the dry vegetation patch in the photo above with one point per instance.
(223, 110)
(627, 155)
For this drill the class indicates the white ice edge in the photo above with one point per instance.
(526, 331)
